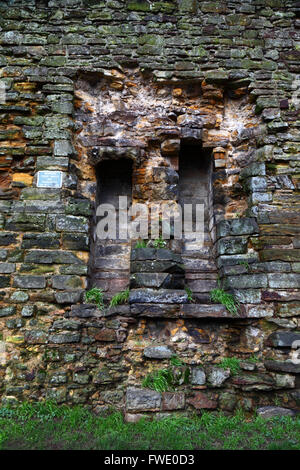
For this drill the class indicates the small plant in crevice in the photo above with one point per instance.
(159, 243)
(232, 363)
(253, 359)
(278, 401)
(189, 293)
(244, 263)
(160, 380)
(95, 296)
(163, 380)
(120, 298)
(141, 244)
(219, 295)
(175, 361)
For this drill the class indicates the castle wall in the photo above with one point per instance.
(88, 81)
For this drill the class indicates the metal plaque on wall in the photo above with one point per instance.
(49, 179)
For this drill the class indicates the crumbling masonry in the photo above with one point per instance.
(173, 101)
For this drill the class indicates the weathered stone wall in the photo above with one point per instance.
(87, 81)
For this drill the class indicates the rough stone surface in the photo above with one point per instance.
(142, 399)
(271, 411)
(198, 376)
(218, 376)
(158, 352)
(199, 102)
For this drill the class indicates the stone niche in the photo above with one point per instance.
(181, 144)
(153, 141)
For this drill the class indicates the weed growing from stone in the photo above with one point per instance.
(95, 296)
(254, 359)
(219, 295)
(175, 361)
(163, 380)
(189, 293)
(120, 298)
(232, 363)
(244, 263)
(159, 243)
(140, 244)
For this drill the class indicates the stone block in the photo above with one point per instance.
(28, 310)
(51, 257)
(158, 352)
(71, 223)
(203, 400)
(148, 279)
(283, 339)
(256, 184)
(161, 296)
(7, 311)
(52, 163)
(142, 399)
(7, 268)
(29, 282)
(40, 240)
(283, 366)
(284, 281)
(170, 147)
(26, 222)
(203, 311)
(155, 310)
(68, 297)
(36, 336)
(233, 245)
(198, 376)
(268, 412)
(156, 266)
(240, 226)
(173, 401)
(254, 169)
(280, 254)
(7, 238)
(217, 376)
(85, 311)
(75, 241)
(64, 338)
(66, 282)
(247, 281)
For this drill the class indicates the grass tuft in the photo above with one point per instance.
(95, 295)
(232, 363)
(141, 244)
(41, 426)
(219, 295)
(189, 293)
(120, 298)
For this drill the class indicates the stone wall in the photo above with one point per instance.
(88, 81)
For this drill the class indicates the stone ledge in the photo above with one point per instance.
(282, 366)
(161, 296)
(205, 311)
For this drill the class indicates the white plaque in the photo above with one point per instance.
(49, 179)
